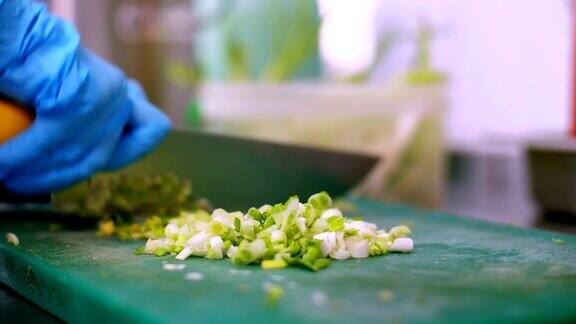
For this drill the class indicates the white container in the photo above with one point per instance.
(401, 124)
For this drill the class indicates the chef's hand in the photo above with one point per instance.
(89, 116)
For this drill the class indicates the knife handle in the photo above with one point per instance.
(13, 119)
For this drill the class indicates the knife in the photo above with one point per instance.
(237, 173)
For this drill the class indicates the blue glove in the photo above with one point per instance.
(89, 117)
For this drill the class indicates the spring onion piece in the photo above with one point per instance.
(297, 234)
(400, 231)
(106, 227)
(12, 239)
(403, 244)
(173, 267)
(274, 264)
(274, 294)
(194, 276)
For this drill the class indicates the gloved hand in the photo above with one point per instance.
(89, 117)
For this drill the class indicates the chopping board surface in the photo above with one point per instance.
(461, 269)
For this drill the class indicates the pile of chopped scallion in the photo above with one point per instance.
(297, 234)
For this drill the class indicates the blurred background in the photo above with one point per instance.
(468, 103)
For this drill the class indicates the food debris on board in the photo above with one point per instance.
(194, 276)
(106, 227)
(236, 272)
(386, 295)
(318, 298)
(173, 267)
(558, 241)
(274, 293)
(291, 234)
(12, 239)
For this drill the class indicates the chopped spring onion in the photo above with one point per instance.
(290, 234)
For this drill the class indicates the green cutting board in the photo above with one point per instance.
(461, 270)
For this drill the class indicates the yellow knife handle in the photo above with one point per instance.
(13, 120)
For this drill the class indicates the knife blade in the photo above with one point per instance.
(237, 172)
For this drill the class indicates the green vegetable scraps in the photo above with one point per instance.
(558, 241)
(130, 205)
(291, 234)
(126, 194)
